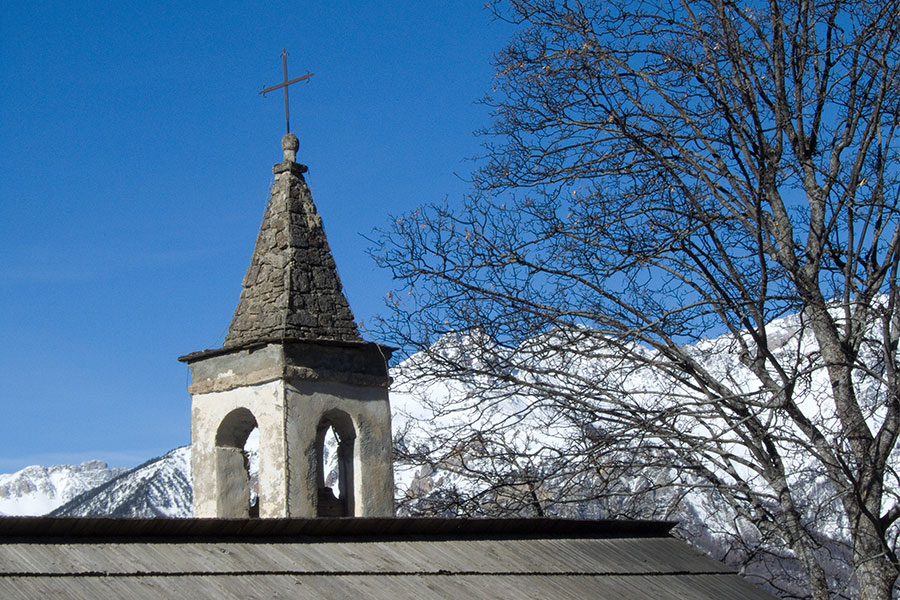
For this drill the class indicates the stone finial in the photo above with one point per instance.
(290, 144)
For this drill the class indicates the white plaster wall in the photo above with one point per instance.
(266, 402)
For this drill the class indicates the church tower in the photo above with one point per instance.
(293, 365)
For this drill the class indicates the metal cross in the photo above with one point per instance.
(284, 84)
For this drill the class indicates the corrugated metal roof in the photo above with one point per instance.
(345, 558)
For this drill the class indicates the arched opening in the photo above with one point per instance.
(335, 437)
(233, 497)
(251, 451)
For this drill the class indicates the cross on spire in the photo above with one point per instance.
(284, 84)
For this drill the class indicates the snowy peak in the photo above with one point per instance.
(161, 487)
(38, 490)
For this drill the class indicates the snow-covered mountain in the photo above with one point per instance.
(38, 490)
(527, 434)
(160, 487)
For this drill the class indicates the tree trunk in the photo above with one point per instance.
(876, 577)
(874, 572)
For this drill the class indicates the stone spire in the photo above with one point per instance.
(291, 289)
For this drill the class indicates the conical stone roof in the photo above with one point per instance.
(291, 289)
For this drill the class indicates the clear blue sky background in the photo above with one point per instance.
(135, 161)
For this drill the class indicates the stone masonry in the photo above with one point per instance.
(291, 289)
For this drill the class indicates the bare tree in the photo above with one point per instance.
(663, 172)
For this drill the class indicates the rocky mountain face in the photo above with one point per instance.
(161, 487)
(38, 490)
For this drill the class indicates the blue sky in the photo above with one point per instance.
(135, 161)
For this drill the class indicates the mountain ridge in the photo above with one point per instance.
(37, 490)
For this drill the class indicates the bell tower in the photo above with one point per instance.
(294, 366)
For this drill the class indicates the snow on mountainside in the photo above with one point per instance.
(475, 445)
(38, 490)
(160, 487)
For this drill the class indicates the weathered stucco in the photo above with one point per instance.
(369, 410)
(355, 363)
(288, 413)
(266, 402)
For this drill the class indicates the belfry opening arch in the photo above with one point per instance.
(232, 465)
(342, 504)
